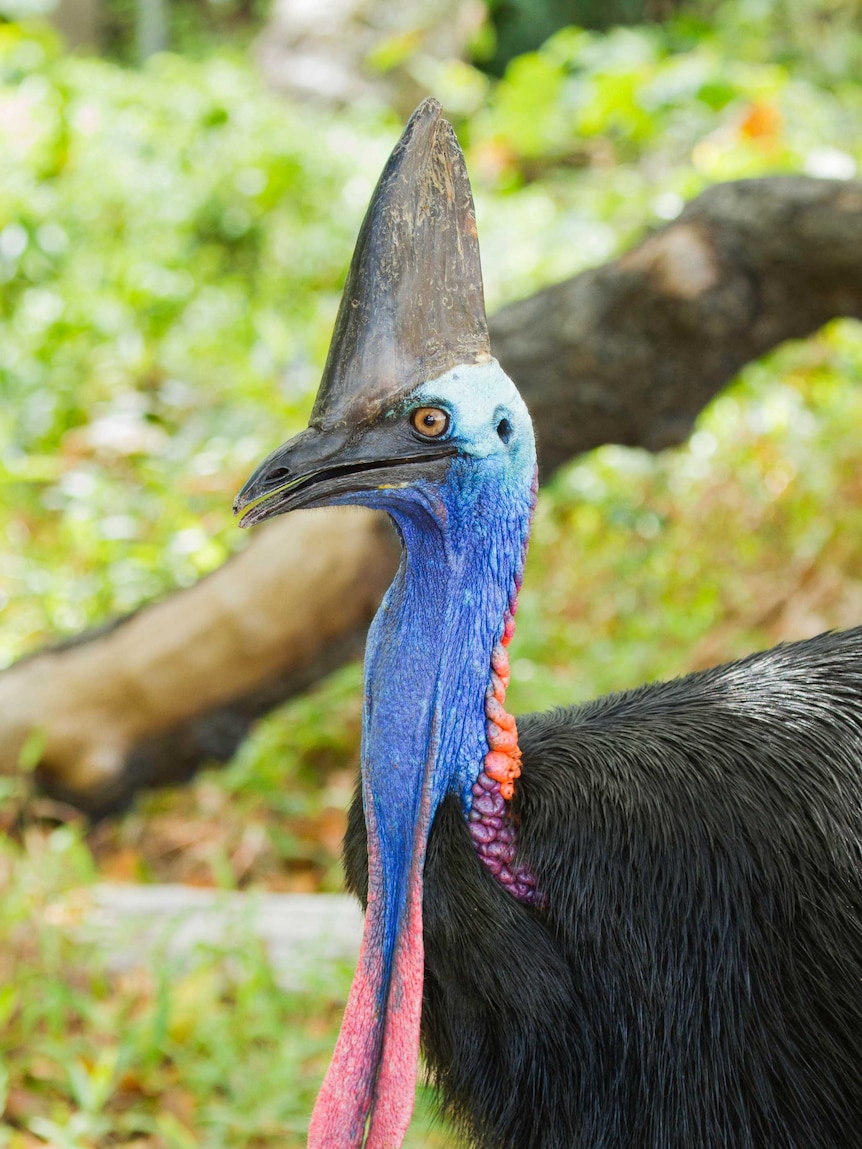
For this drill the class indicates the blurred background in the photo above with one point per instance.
(181, 183)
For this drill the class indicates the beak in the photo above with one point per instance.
(318, 467)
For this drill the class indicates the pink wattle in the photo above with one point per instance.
(399, 1065)
(375, 1064)
(345, 1098)
(341, 1109)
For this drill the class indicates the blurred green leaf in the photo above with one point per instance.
(172, 244)
(32, 750)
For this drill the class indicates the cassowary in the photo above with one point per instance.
(634, 924)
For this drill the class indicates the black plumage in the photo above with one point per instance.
(695, 979)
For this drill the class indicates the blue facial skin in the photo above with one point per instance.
(427, 664)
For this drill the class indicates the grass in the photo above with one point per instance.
(201, 1051)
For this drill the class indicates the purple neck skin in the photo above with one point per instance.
(490, 819)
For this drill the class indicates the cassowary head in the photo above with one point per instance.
(409, 383)
(416, 418)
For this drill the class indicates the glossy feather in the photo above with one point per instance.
(696, 979)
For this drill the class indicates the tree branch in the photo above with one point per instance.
(627, 353)
(633, 351)
(178, 683)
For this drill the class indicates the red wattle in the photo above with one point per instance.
(374, 1067)
(395, 1091)
(345, 1098)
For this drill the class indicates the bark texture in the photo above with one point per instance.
(178, 683)
(628, 353)
(631, 352)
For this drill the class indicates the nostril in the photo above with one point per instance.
(277, 474)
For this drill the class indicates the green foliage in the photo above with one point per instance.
(172, 244)
(195, 28)
(647, 117)
(203, 1051)
(520, 26)
(171, 248)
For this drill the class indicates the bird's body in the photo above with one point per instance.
(695, 981)
(632, 925)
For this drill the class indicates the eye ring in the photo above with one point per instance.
(430, 422)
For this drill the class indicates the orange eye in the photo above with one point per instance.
(430, 422)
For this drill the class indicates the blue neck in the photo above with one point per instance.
(429, 653)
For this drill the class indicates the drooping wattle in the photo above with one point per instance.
(366, 1099)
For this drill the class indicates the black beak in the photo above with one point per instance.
(316, 467)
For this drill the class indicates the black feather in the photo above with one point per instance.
(695, 980)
